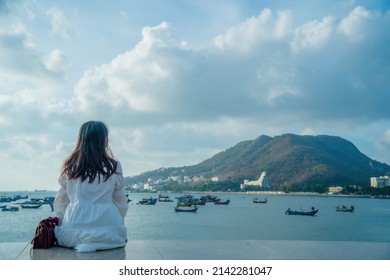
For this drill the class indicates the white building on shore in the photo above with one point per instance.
(380, 182)
(263, 183)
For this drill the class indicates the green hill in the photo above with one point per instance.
(288, 159)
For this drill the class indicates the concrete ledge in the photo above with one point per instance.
(11, 251)
(210, 250)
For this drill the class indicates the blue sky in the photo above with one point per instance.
(179, 81)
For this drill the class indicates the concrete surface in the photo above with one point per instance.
(210, 250)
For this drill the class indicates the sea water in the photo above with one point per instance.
(241, 219)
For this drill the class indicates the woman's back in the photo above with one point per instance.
(91, 203)
(91, 193)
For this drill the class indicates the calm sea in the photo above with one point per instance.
(240, 220)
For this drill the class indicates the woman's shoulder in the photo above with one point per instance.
(62, 179)
(118, 166)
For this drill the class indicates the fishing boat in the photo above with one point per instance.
(198, 201)
(186, 209)
(5, 199)
(164, 198)
(184, 203)
(259, 200)
(302, 213)
(147, 201)
(185, 200)
(31, 205)
(10, 208)
(220, 202)
(210, 198)
(41, 201)
(345, 209)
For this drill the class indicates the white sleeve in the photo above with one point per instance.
(61, 200)
(119, 197)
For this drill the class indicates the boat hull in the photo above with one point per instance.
(11, 209)
(222, 202)
(302, 213)
(260, 201)
(147, 201)
(345, 210)
(188, 209)
(30, 206)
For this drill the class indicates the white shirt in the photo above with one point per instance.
(91, 214)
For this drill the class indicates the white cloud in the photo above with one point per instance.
(172, 144)
(313, 34)
(57, 61)
(384, 142)
(21, 63)
(141, 78)
(4, 121)
(243, 37)
(256, 32)
(357, 23)
(387, 136)
(160, 81)
(283, 25)
(59, 22)
(157, 37)
(308, 131)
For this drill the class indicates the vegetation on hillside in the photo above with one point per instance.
(292, 162)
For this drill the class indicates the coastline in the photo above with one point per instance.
(271, 193)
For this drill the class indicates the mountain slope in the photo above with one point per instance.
(288, 159)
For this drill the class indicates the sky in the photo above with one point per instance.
(179, 81)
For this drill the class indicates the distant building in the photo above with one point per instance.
(380, 182)
(335, 189)
(199, 178)
(216, 179)
(263, 183)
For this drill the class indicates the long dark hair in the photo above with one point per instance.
(91, 157)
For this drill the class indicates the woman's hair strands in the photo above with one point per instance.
(91, 156)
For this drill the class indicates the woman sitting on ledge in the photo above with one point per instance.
(91, 203)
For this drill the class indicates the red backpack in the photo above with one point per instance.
(44, 234)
